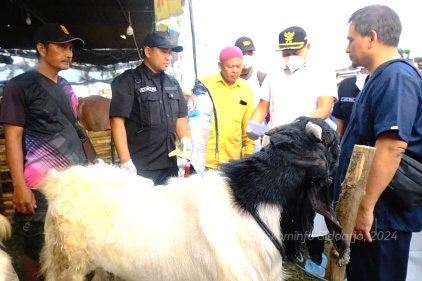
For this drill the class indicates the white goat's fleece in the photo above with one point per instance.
(7, 272)
(190, 229)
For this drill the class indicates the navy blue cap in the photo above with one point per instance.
(161, 39)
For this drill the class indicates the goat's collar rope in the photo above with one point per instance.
(277, 243)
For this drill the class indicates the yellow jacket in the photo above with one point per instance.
(234, 106)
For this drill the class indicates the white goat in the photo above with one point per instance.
(7, 272)
(196, 228)
(100, 216)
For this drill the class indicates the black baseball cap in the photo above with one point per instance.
(245, 44)
(161, 39)
(56, 33)
(292, 38)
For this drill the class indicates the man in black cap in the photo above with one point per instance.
(254, 77)
(246, 45)
(38, 113)
(293, 90)
(147, 111)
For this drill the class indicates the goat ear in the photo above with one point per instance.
(278, 139)
(273, 130)
(314, 131)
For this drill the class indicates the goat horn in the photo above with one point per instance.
(314, 131)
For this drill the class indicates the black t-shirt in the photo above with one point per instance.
(50, 140)
(151, 107)
(347, 93)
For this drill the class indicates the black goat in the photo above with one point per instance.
(295, 170)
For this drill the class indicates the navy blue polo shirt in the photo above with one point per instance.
(391, 101)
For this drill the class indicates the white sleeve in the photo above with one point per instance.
(328, 84)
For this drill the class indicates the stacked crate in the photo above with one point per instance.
(103, 145)
(6, 190)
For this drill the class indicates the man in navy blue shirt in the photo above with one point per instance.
(387, 115)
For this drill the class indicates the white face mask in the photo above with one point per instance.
(294, 62)
(360, 80)
(248, 61)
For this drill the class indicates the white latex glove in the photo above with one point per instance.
(186, 143)
(129, 167)
(251, 134)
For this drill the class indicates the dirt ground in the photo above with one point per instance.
(296, 274)
(14, 248)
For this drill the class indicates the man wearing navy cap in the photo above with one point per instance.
(302, 89)
(147, 110)
(39, 109)
(246, 45)
(293, 90)
(254, 77)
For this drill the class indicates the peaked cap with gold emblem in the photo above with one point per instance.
(292, 38)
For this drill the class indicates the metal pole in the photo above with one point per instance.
(193, 39)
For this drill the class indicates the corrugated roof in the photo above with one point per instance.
(99, 22)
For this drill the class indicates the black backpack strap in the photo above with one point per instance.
(261, 77)
(137, 79)
(59, 96)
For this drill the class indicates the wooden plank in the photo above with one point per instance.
(3, 165)
(352, 192)
(103, 145)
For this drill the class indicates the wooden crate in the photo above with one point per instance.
(6, 189)
(103, 145)
(3, 164)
